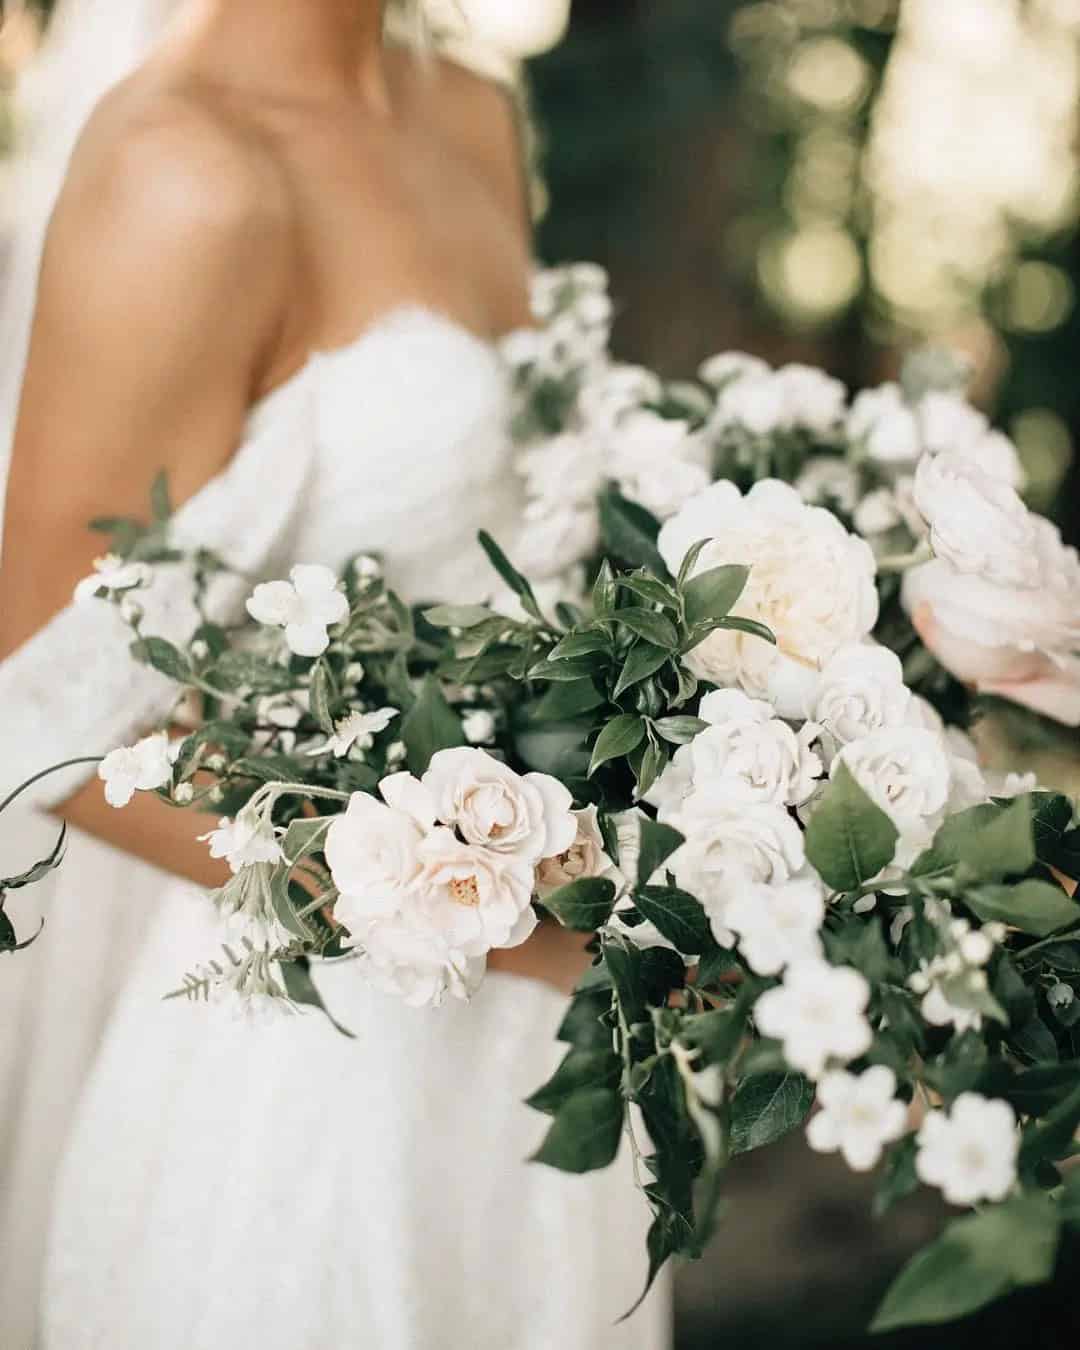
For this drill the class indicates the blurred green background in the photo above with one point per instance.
(833, 181)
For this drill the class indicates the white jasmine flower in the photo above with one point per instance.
(247, 839)
(396, 752)
(811, 583)
(969, 1153)
(818, 1014)
(136, 768)
(357, 729)
(246, 906)
(859, 1115)
(491, 805)
(826, 479)
(415, 966)
(113, 574)
(280, 711)
(306, 605)
(861, 691)
(882, 423)
(732, 840)
(977, 523)
(479, 726)
(657, 463)
(584, 858)
(471, 897)
(950, 424)
(747, 743)
(777, 925)
(184, 794)
(729, 366)
(939, 1012)
(372, 851)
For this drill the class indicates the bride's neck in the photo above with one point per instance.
(305, 45)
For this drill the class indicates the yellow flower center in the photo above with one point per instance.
(464, 891)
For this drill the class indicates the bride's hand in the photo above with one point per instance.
(553, 954)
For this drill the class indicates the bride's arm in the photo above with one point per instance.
(160, 292)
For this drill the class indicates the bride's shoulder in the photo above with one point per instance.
(165, 161)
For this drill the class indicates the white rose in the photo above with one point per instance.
(747, 743)
(950, 424)
(656, 462)
(861, 691)
(585, 857)
(882, 423)
(904, 770)
(1018, 642)
(373, 854)
(811, 583)
(977, 524)
(529, 817)
(470, 897)
(414, 965)
(732, 841)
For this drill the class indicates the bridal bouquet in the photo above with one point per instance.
(702, 718)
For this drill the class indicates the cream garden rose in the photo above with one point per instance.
(811, 583)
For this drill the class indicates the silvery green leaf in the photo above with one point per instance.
(163, 656)
(323, 693)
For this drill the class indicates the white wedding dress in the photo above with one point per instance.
(239, 1186)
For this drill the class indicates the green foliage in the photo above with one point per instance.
(430, 725)
(849, 839)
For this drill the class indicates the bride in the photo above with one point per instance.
(278, 269)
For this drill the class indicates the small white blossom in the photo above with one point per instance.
(113, 574)
(859, 1115)
(136, 768)
(882, 423)
(728, 366)
(1060, 995)
(777, 925)
(366, 568)
(306, 605)
(828, 479)
(657, 462)
(184, 794)
(479, 726)
(939, 1012)
(818, 1014)
(396, 752)
(247, 839)
(970, 1153)
(950, 424)
(357, 730)
(877, 513)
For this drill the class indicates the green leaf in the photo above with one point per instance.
(1037, 907)
(717, 1034)
(1057, 843)
(642, 661)
(630, 532)
(689, 562)
(305, 836)
(430, 725)
(976, 1260)
(712, 594)
(565, 701)
(622, 961)
(584, 905)
(648, 588)
(509, 573)
(581, 644)
(1053, 1137)
(1069, 1203)
(767, 1107)
(750, 627)
(580, 1069)
(461, 616)
(582, 1026)
(40, 869)
(849, 839)
(621, 735)
(658, 843)
(302, 989)
(163, 656)
(323, 694)
(565, 670)
(1037, 1091)
(678, 916)
(585, 1134)
(235, 670)
(160, 501)
(284, 910)
(604, 594)
(1003, 847)
(900, 1179)
(652, 765)
(649, 624)
(679, 730)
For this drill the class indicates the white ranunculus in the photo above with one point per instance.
(657, 462)
(246, 839)
(586, 857)
(818, 1014)
(373, 854)
(882, 423)
(949, 423)
(1019, 642)
(776, 925)
(414, 965)
(306, 605)
(470, 897)
(114, 575)
(861, 691)
(747, 743)
(811, 583)
(732, 840)
(814, 401)
(860, 1114)
(977, 523)
(141, 767)
(970, 1153)
(904, 770)
(489, 804)
(722, 369)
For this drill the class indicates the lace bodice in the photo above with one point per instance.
(395, 444)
